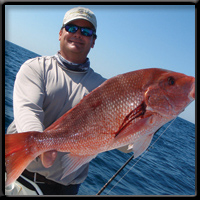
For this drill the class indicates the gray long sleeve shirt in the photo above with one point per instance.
(44, 90)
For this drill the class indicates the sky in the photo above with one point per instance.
(129, 37)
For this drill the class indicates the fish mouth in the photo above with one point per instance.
(192, 92)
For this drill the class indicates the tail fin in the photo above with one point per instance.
(19, 152)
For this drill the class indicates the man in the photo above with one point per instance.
(46, 87)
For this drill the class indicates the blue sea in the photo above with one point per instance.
(168, 168)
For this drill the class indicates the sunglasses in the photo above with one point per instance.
(84, 30)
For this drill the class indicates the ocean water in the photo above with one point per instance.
(168, 168)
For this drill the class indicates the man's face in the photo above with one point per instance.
(76, 43)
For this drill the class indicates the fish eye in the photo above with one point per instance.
(171, 80)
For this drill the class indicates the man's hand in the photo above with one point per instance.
(48, 158)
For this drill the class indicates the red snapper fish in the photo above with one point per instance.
(125, 110)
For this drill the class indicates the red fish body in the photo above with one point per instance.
(124, 110)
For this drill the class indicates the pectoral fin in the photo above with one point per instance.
(133, 127)
(136, 113)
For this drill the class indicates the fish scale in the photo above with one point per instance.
(125, 110)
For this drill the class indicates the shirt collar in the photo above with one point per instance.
(73, 66)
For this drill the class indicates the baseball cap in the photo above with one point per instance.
(80, 13)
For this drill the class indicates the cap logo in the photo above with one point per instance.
(81, 12)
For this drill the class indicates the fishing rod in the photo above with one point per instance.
(104, 187)
(111, 179)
